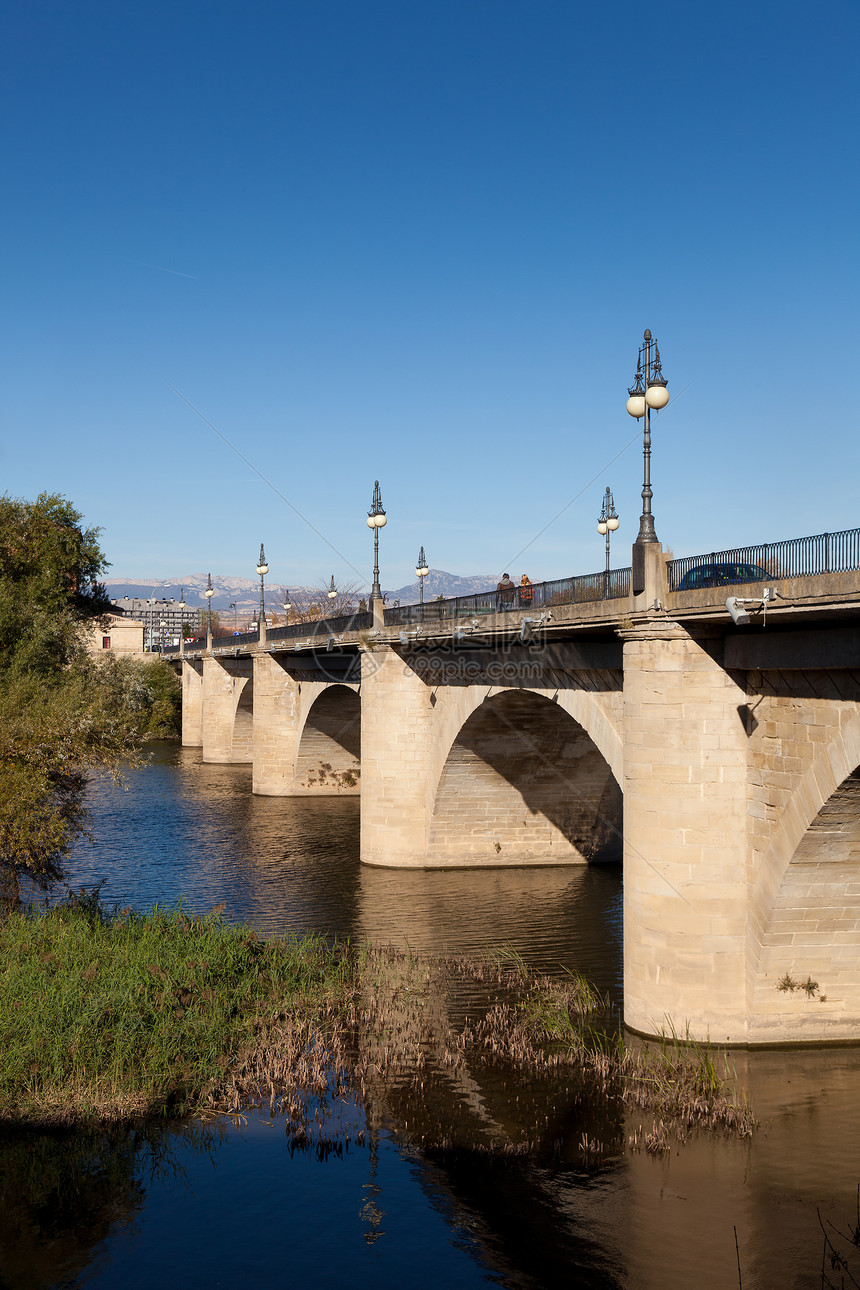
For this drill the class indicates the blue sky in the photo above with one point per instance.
(421, 242)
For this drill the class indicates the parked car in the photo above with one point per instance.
(722, 575)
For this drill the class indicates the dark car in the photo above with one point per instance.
(722, 575)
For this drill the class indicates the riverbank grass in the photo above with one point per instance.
(115, 1017)
(110, 1018)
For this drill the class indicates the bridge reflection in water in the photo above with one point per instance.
(189, 829)
(631, 1221)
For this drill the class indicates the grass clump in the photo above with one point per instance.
(109, 1018)
(104, 1018)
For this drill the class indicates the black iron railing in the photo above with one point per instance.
(585, 588)
(794, 558)
(229, 640)
(324, 627)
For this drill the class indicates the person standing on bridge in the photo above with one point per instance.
(526, 591)
(506, 591)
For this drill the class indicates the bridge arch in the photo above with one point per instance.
(455, 704)
(804, 911)
(227, 728)
(242, 742)
(328, 755)
(523, 781)
(832, 762)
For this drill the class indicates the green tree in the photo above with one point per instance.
(49, 584)
(61, 714)
(148, 690)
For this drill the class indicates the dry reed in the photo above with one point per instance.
(110, 1019)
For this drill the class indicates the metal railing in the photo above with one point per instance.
(589, 587)
(228, 640)
(324, 627)
(794, 558)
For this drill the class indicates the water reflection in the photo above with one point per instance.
(63, 1194)
(187, 829)
(554, 917)
(646, 1223)
(461, 1216)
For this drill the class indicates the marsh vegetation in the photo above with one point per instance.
(118, 1017)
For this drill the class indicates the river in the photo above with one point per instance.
(232, 1205)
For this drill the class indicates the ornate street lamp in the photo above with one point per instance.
(287, 607)
(607, 524)
(262, 570)
(163, 626)
(332, 591)
(647, 391)
(182, 608)
(209, 593)
(421, 570)
(376, 520)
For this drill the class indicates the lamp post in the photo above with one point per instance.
(233, 605)
(421, 570)
(647, 391)
(262, 570)
(163, 632)
(151, 622)
(182, 608)
(287, 607)
(376, 520)
(607, 524)
(209, 593)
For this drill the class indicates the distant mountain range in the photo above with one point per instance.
(440, 583)
(245, 592)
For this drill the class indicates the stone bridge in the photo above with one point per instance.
(720, 762)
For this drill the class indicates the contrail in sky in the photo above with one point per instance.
(161, 269)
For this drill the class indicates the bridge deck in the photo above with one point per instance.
(834, 597)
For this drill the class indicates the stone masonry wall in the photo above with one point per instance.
(685, 814)
(226, 739)
(804, 747)
(192, 704)
(524, 784)
(329, 753)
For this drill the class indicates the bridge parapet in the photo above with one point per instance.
(804, 572)
(824, 553)
(589, 588)
(800, 592)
